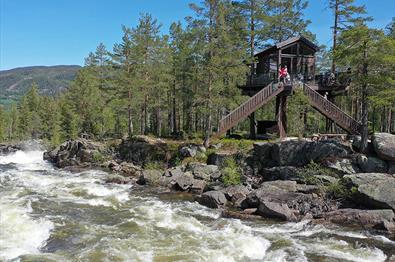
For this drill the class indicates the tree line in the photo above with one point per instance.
(184, 82)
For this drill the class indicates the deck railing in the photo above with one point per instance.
(332, 111)
(248, 107)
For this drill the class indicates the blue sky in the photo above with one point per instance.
(52, 32)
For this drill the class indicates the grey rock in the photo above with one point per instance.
(375, 190)
(384, 145)
(212, 199)
(343, 166)
(203, 171)
(117, 179)
(219, 158)
(369, 219)
(371, 164)
(280, 173)
(326, 179)
(276, 210)
(150, 177)
(191, 150)
(9, 148)
(391, 167)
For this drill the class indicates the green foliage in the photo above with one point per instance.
(242, 145)
(231, 174)
(154, 165)
(50, 80)
(307, 174)
(339, 191)
(98, 157)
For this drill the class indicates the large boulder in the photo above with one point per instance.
(236, 194)
(204, 172)
(212, 199)
(373, 190)
(384, 145)
(380, 219)
(8, 148)
(142, 150)
(287, 200)
(342, 166)
(77, 152)
(296, 153)
(371, 164)
(191, 150)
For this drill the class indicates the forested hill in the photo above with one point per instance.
(50, 80)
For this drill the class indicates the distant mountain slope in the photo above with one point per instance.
(50, 80)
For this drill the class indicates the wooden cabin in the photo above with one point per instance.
(298, 54)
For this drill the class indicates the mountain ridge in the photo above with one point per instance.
(51, 80)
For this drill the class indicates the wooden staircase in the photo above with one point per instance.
(248, 107)
(330, 110)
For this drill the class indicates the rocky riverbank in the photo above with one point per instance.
(325, 181)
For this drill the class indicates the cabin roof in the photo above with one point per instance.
(287, 42)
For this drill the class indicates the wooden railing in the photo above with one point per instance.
(248, 107)
(332, 111)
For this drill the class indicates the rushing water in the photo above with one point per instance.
(52, 215)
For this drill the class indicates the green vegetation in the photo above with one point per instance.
(154, 166)
(181, 84)
(231, 174)
(51, 80)
(307, 174)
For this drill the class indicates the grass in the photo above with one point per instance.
(231, 173)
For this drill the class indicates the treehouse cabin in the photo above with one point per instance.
(298, 54)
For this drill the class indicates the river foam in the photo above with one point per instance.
(61, 216)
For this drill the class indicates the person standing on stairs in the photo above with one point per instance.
(282, 73)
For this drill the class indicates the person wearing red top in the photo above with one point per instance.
(282, 73)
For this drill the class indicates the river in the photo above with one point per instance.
(48, 214)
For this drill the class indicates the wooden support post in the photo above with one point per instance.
(252, 126)
(329, 123)
(281, 115)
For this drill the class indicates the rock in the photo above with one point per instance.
(238, 215)
(391, 167)
(384, 145)
(371, 164)
(356, 145)
(141, 150)
(150, 177)
(191, 150)
(326, 180)
(308, 189)
(77, 152)
(280, 173)
(212, 199)
(175, 171)
(382, 219)
(276, 210)
(374, 190)
(236, 194)
(129, 169)
(219, 158)
(198, 186)
(296, 153)
(278, 186)
(184, 182)
(117, 179)
(277, 194)
(8, 148)
(343, 166)
(203, 171)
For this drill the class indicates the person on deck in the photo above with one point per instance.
(282, 73)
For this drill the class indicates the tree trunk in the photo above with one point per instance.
(365, 131)
(335, 34)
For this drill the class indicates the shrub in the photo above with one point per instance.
(153, 166)
(98, 157)
(307, 173)
(231, 173)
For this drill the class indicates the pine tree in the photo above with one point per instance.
(285, 19)
(346, 15)
(360, 46)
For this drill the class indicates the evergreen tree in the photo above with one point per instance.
(361, 46)
(346, 15)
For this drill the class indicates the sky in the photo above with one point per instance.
(54, 32)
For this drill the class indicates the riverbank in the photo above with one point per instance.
(322, 181)
(54, 214)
